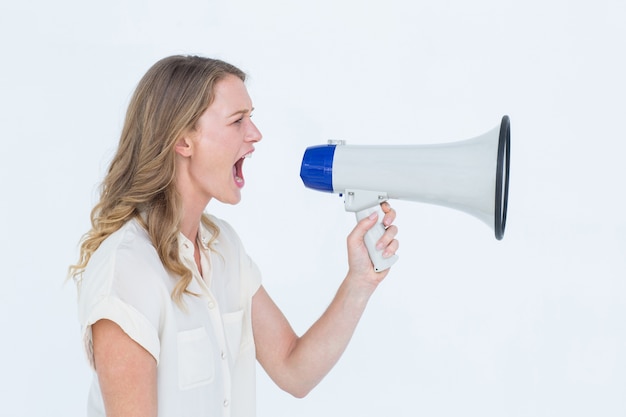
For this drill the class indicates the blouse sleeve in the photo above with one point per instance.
(120, 285)
(131, 321)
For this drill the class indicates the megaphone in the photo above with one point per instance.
(471, 175)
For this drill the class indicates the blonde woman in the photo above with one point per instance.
(173, 312)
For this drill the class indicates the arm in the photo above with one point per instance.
(298, 364)
(126, 372)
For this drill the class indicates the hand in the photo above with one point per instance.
(358, 258)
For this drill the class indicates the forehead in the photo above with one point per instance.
(231, 94)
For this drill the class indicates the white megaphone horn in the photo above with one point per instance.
(471, 175)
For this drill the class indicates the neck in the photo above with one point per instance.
(192, 213)
(193, 205)
(189, 228)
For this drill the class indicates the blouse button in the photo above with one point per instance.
(211, 305)
(226, 403)
(223, 355)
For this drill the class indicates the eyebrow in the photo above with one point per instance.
(243, 111)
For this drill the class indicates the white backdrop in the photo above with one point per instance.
(533, 325)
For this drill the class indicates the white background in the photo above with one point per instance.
(533, 325)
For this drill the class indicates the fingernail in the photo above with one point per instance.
(373, 216)
(380, 245)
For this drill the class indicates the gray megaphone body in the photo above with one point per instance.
(471, 175)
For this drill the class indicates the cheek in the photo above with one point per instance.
(218, 167)
(216, 156)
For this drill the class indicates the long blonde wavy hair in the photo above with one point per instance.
(169, 100)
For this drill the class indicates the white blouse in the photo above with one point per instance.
(205, 355)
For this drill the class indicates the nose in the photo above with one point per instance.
(253, 134)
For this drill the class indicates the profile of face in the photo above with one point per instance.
(211, 155)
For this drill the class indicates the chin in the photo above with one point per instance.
(232, 200)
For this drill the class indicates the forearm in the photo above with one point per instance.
(298, 364)
(315, 353)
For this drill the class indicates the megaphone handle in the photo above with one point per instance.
(372, 236)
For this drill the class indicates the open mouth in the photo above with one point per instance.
(238, 170)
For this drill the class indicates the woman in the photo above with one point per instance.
(172, 308)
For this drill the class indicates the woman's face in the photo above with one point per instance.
(216, 148)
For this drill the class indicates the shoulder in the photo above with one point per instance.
(130, 241)
(125, 261)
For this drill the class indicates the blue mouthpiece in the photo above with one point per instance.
(317, 167)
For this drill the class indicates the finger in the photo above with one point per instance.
(390, 214)
(387, 237)
(391, 249)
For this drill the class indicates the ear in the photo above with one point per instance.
(184, 146)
